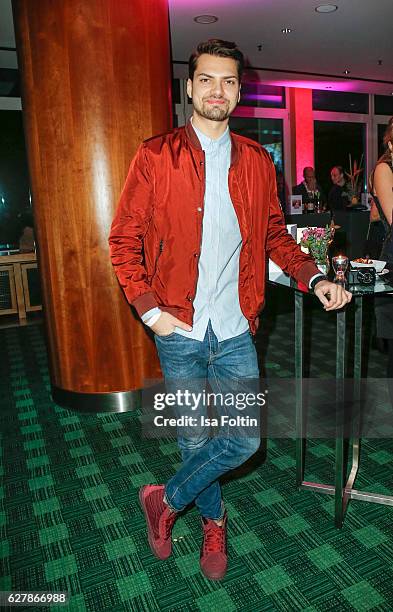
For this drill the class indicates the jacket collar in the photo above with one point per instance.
(194, 140)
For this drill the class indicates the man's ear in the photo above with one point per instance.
(189, 88)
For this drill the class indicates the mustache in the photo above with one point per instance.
(215, 98)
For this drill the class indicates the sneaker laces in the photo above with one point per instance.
(167, 520)
(155, 509)
(214, 539)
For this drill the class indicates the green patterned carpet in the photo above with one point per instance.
(70, 518)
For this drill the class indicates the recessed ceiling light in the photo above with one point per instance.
(326, 8)
(346, 71)
(205, 19)
(286, 30)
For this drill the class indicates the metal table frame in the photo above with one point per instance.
(343, 487)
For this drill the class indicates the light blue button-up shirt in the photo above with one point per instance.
(217, 294)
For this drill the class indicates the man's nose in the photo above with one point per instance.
(218, 88)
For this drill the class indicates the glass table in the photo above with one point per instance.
(343, 487)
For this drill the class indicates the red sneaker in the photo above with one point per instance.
(214, 557)
(159, 519)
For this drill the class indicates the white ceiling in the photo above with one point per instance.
(354, 37)
(316, 52)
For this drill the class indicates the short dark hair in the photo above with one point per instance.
(219, 48)
(339, 168)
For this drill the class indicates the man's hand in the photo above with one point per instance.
(166, 324)
(331, 295)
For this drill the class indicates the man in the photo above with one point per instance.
(338, 198)
(197, 218)
(309, 186)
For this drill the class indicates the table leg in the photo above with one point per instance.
(300, 433)
(357, 374)
(342, 491)
(340, 376)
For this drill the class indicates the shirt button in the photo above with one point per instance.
(189, 298)
(199, 209)
(196, 254)
(201, 162)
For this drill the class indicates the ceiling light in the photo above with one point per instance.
(286, 30)
(326, 8)
(205, 19)
(346, 71)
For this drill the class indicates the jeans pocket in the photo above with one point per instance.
(166, 336)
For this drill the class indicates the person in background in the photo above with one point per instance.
(197, 219)
(381, 183)
(309, 188)
(338, 198)
(282, 189)
(376, 233)
(375, 238)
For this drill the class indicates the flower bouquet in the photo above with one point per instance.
(353, 187)
(317, 240)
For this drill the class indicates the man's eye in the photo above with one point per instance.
(204, 80)
(230, 82)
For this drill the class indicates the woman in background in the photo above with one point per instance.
(381, 182)
(376, 234)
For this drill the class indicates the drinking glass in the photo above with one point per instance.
(340, 265)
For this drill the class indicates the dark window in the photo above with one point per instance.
(383, 105)
(14, 177)
(260, 95)
(268, 132)
(339, 101)
(9, 82)
(176, 91)
(381, 134)
(334, 141)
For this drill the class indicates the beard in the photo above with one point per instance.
(213, 112)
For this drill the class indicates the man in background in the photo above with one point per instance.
(338, 198)
(309, 188)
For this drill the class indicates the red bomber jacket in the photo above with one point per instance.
(155, 237)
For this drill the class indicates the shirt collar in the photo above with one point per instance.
(208, 143)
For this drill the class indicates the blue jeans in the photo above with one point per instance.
(228, 366)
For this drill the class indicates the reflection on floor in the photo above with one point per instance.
(70, 518)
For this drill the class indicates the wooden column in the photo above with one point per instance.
(96, 81)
